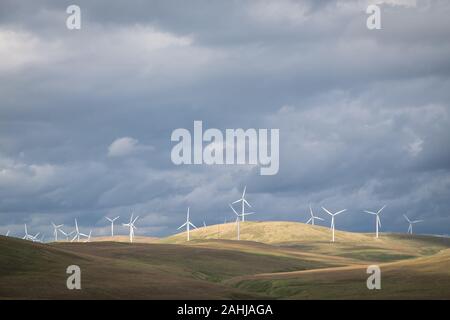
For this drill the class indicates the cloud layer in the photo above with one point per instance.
(86, 116)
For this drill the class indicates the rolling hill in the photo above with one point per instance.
(282, 260)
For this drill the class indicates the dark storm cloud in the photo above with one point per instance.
(363, 115)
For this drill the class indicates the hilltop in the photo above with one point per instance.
(273, 260)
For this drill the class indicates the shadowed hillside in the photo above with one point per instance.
(275, 260)
(420, 278)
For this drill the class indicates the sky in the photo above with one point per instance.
(86, 115)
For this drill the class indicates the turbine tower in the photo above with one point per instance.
(311, 220)
(377, 219)
(112, 224)
(410, 228)
(332, 219)
(238, 216)
(187, 224)
(131, 226)
(244, 202)
(56, 229)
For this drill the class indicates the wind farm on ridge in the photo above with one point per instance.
(241, 259)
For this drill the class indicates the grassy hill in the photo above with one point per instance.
(274, 260)
(136, 239)
(421, 278)
(267, 232)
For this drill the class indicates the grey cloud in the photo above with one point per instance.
(352, 106)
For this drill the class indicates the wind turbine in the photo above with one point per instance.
(56, 228)
(112, 224)
(187, 224)
(89, 237)
(243, 203)
(131, 226)
(67, 235)
(332, 218)
(410, 228)
(7, 234)
(78, 233)
(237, 222)
(28, 236)
(377, 220)
(312, 217)
(41, 240)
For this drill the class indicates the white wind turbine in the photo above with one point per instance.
(41, 240)
(243, 203)
(78, 233)
(131, 226)
(7, 234)
(410, 228)
(56, 229)
(377, 220)
(311, 220)
(187, 224)
(28, 236)
(112, 224)
(88, 237)
(238, 216)
(332, 218)
(67, 235)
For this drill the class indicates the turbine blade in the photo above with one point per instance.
(340, 212)
(407, 218)
(233, 209)
(192, 225)
(308, 220)
(182, 226)
(327, 211)
(319, 218)
(381, 209)
(369, 212)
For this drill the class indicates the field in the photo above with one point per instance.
(273, 260)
